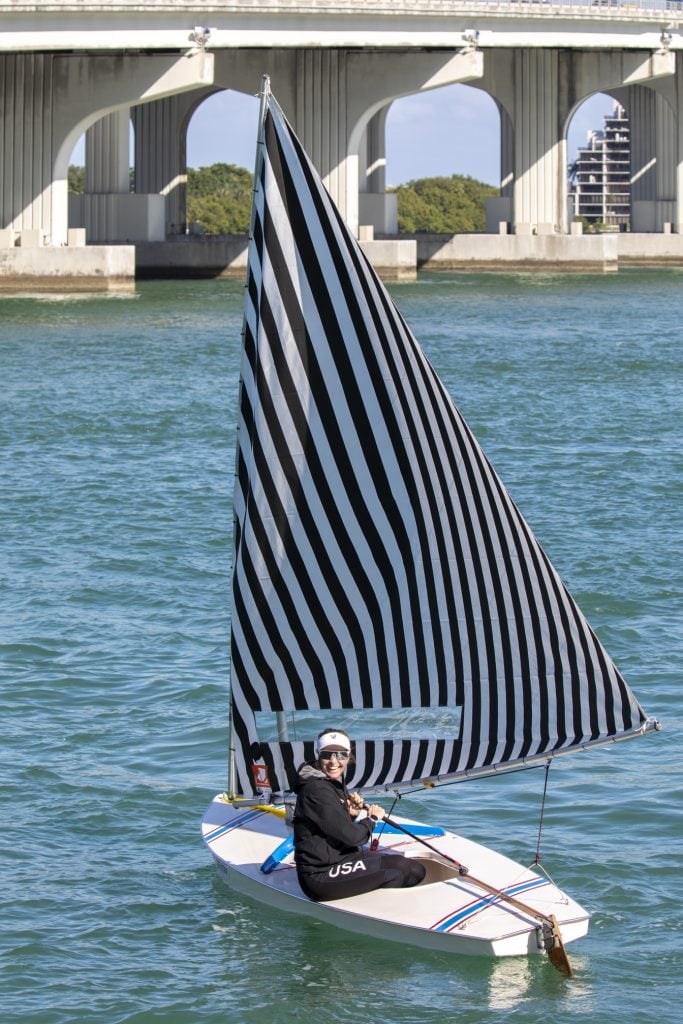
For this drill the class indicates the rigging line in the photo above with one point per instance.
(537, 859)
(542, 869)
(374, 842)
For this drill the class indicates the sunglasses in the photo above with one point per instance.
(327, 755)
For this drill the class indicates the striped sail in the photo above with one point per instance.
(379, 561)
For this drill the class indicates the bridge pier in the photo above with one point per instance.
(377, 208)
(652, 160)
(49, 101)
(161, 152)
(537, 92)
(679, 138)
(108, 211)
(656, 116)
(106, 154)
(540, 184)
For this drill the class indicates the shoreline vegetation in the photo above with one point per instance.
(219, 201)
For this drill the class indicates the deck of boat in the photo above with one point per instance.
(447, 911)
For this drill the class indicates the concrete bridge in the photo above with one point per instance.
(73, 67)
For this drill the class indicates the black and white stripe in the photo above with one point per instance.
(379, 561)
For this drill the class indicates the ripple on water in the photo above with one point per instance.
(117, 431)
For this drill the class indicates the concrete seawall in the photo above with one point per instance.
(641, 250)
(515, 253)
(226, 256)
(93, 268)
(400, 258)
(187, 256)
(116, 267)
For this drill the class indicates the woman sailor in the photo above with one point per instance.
(327, 840)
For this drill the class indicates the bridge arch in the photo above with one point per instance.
(653, 153)
(372, 88)
(449, 104)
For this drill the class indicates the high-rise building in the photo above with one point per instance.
(601, 174)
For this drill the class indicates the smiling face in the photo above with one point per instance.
(333, 762)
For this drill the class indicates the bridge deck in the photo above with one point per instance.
(168, 24)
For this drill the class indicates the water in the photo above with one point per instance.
(117, 432)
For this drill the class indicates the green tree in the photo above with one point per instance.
(443, 205)
(76, 179)
(219, 199)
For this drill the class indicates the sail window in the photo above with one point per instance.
(376, 724)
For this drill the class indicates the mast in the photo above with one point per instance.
(264, 96)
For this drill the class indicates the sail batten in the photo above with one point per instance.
(379, 560)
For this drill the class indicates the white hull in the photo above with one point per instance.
(446, 912)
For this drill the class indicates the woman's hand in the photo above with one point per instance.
(375, 811)
(355, 804)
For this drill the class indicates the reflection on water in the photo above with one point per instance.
(509, 982)
(514, 981)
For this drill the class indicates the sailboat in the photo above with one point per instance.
(382, 571)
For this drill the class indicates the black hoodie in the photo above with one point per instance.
(324, 832)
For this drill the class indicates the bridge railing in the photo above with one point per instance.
(628, 9)
(597, 8)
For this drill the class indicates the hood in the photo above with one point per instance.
(307, 773)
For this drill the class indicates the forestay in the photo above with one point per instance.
(379, 561)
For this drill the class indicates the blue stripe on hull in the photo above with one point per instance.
(453, 920)
(241, 819)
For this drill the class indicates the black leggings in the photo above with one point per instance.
(362, 873)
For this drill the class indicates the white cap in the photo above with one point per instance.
(332, 740)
